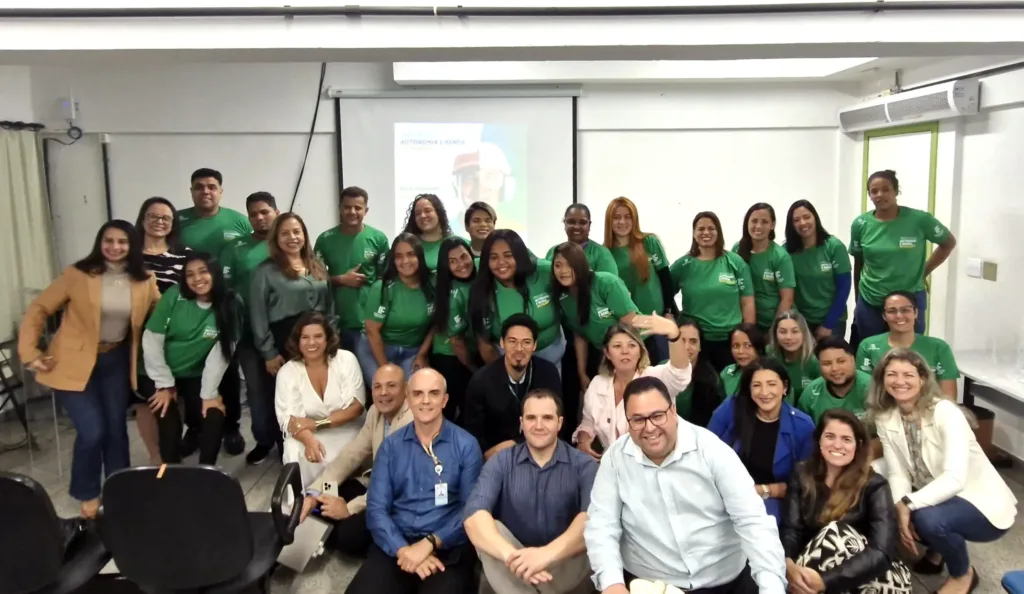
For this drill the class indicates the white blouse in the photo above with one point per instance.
(606, 420)
(296, 397)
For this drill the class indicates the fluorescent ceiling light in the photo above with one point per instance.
(626, 71)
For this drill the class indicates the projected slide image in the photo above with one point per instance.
(463, 163)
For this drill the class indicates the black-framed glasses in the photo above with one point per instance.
(658, 418)
(576, 222)
(905, 310)
(155, 218)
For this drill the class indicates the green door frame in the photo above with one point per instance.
(933, 159)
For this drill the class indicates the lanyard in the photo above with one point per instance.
(429, 449)
(527, 380)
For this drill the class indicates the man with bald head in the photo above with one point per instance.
(422, 476)
(389, 413)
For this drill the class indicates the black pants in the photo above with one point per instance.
(572, 398)
(719, 353)
(211, 428)
(230, 391)
(457, 375)
(743, 584)
(381, 574)
(351, 536)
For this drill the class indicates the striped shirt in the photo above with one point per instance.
(167, 267)
(536, 504)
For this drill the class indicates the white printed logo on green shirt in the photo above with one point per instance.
(826, 267)
(604, 312)
(908, 242)
(542, 300)
(229, 235)
(727, 279)
(210, 332)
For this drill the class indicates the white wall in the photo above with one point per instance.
(678, 150)
(16, 94)
(250, 121)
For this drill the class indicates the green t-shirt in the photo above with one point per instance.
(647, 296)
(212, 234)
(341, 252)
(240, 259)
(458, 321)
(770, 271)
(893, 251)
(816, 270)
(935, 351)
(189, 329)
(730, 377)
(801, 374)
(712, 290)
(684, 401)
(404, 314)
(816, 398)
(431, 249)
(609, 301)
(598, 256)
(539, 305)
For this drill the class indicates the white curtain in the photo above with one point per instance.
(26, 233)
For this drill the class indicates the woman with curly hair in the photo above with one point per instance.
(428, 220)
(320, 396)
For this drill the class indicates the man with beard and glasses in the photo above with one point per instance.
(495, 394)
(355, 255)
(526, 514)
(672, 503)
(240, 258)
(841, 384)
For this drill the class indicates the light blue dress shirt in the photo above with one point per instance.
(400, 505)
(693, 522)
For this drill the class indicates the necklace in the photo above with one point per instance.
(764, 420)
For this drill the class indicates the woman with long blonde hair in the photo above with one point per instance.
(791, 342)
(838, 527)
(947, 491)
(288, 284)
(642, 264)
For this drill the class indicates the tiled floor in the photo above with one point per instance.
(331, 572)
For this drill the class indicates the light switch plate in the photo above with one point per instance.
(974, 268)
(988, 270)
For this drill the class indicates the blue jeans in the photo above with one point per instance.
(350, 339)
(869, 320)
(100, 416)
(947, 527)
(259, 392)
(399, 355)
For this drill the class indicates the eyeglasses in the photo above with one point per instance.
(155, 218)
(906, 311)
(512, 344)
(576, 222)
(638, 423)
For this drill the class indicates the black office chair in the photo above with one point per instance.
(39, 552)
(190, 531)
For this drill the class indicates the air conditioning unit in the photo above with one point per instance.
(927, 104)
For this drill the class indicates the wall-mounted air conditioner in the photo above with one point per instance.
(927, 104)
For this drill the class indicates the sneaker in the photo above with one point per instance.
(258, 454)
(189, 443)
(234, 443)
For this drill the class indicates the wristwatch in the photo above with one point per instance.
(432, 540)
(766, 492)
(906, 501)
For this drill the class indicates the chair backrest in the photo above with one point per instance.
(31, 542)
(187, 529)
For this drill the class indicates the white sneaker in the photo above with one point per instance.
(646, 587)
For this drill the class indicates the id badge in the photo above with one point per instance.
(440, 494)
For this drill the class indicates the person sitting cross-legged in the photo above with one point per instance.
(347, 509)
(526, 514)
(422, 475)
(673, 503)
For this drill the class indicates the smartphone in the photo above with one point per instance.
(330, 488)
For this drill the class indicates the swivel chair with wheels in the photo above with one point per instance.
(186, 529)
(39, 552)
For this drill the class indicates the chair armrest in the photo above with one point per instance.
(290, 477)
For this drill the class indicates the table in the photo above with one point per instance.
(983, 368)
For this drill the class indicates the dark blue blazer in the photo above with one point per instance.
(795, 442)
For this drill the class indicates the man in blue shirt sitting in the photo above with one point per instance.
(422, 476)
(527, 512)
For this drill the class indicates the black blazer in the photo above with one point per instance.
(874, 516)
(492, 411)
